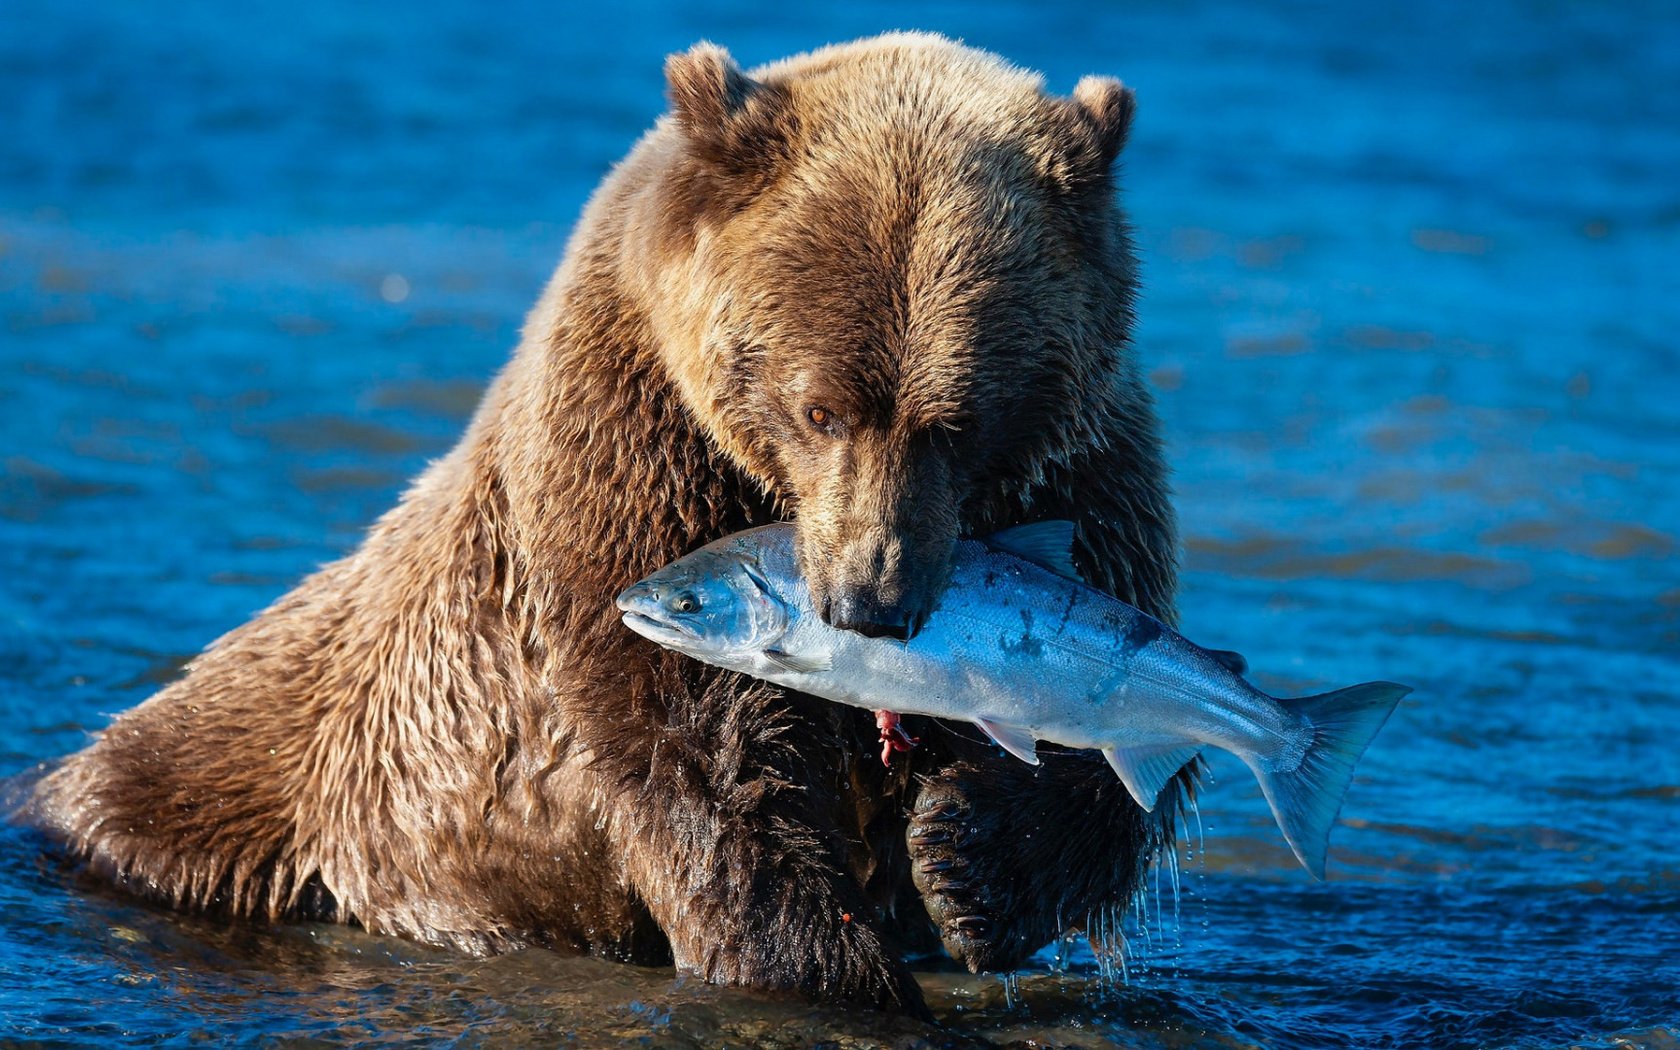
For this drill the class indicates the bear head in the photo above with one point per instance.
(896, 290)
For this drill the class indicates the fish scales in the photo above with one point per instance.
(1043, 639)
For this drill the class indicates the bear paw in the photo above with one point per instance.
(1007, 855)
(968, 866)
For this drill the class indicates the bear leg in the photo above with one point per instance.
(742, 866)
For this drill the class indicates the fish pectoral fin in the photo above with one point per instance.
(799, 664)
(1146, 770)
(1047, 544)
(1013, 739)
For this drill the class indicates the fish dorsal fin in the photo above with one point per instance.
(1013, 739)
(799, 664)
(1146, 770)
(1044, 543)
(1236, 663)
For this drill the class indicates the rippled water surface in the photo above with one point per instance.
(1411, 307)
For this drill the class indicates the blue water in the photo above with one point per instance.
(1411, 303)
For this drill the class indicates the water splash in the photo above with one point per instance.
(1011, 982)
(1063, 955)
(1127, 937)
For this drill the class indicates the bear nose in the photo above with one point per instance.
(869, 617)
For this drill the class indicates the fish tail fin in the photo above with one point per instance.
(1305, 800)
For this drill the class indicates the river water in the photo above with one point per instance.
(1411, 304)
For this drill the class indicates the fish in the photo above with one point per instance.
(1022, 647)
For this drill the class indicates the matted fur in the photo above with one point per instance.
(449, 735)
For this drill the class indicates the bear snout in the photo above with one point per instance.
(883, 585)
(862, 611)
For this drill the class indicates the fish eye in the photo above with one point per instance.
(685, 602)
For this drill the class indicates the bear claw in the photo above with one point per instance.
(974, 925)
(931, 836)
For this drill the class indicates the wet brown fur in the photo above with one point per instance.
(448, 734)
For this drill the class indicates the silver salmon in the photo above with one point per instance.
(1025, 650)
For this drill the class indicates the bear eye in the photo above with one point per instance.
(820, 417)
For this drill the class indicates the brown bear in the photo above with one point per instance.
(883, 288)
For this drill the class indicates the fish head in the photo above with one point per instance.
(719, 604)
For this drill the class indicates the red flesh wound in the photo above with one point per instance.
(893, 736)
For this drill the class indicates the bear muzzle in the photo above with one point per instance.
(886, 588)
(864, 612)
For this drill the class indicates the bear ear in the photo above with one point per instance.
(706, 87)
(1106, 106)
(729, 119)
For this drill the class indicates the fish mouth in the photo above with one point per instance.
(662, 631)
